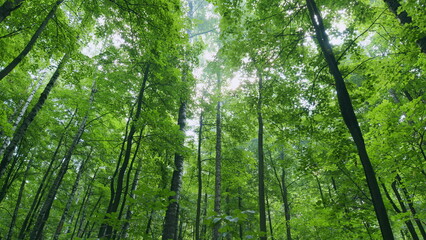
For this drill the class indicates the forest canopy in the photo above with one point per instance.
(212, 119)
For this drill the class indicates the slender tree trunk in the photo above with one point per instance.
(8, 7)
(286, 204)
(351, 121)
(172, 217)
(70, 198)
(37, 231)
(269, 216)
(81, 215)
(20, 132)
(404, 18)
(240, 207)
(88, 230)
(218, 163)
(27, 49)
(106, 230)
(411, 207)
(200, 180)
(129, 212)
(42, 186)
(261, 162)
(409, 224)
(18, 201)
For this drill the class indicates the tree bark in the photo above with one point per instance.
(218, 163)
(8, 7)
(200, 180)
(350, 120)
(70, 198)
(37, 231)
(172, 217)
(261, 161)
(42, 186)
(286, 204)
(18, 201)
(30, 44)
(20, 132)
(106, 229)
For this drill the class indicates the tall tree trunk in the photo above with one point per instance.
(18, 201)
(71, 198)
(106, 229)
(37, 231)
(20, 132)
(81, 214)
(27, 49)
(404, 18)
(42, 185)
(351, 121)
(218, 162)
(261, 161)
(200, 179)
(8, 7)
(269, 216)
(171, 218)
(409, 224)
(411, 207)
(286, 204)
(129, 212)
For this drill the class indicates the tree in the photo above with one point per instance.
(350, 119)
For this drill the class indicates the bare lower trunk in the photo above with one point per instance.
(171, 219)
(200, 180)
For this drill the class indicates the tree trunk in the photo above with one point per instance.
(18, 201)
(411, 207)
(351, 121)
(70, 198)
(218, 163)
(81, 215)
(409, 224)
(200, 180)
(171, 218)
(20, 132)
(286, 204)
(8, 7)
(27, 49)
(269, 216)
(106, 229)
(129, 212)
(404, 18)
(261, 162)
(42, 186)
(47, 205)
